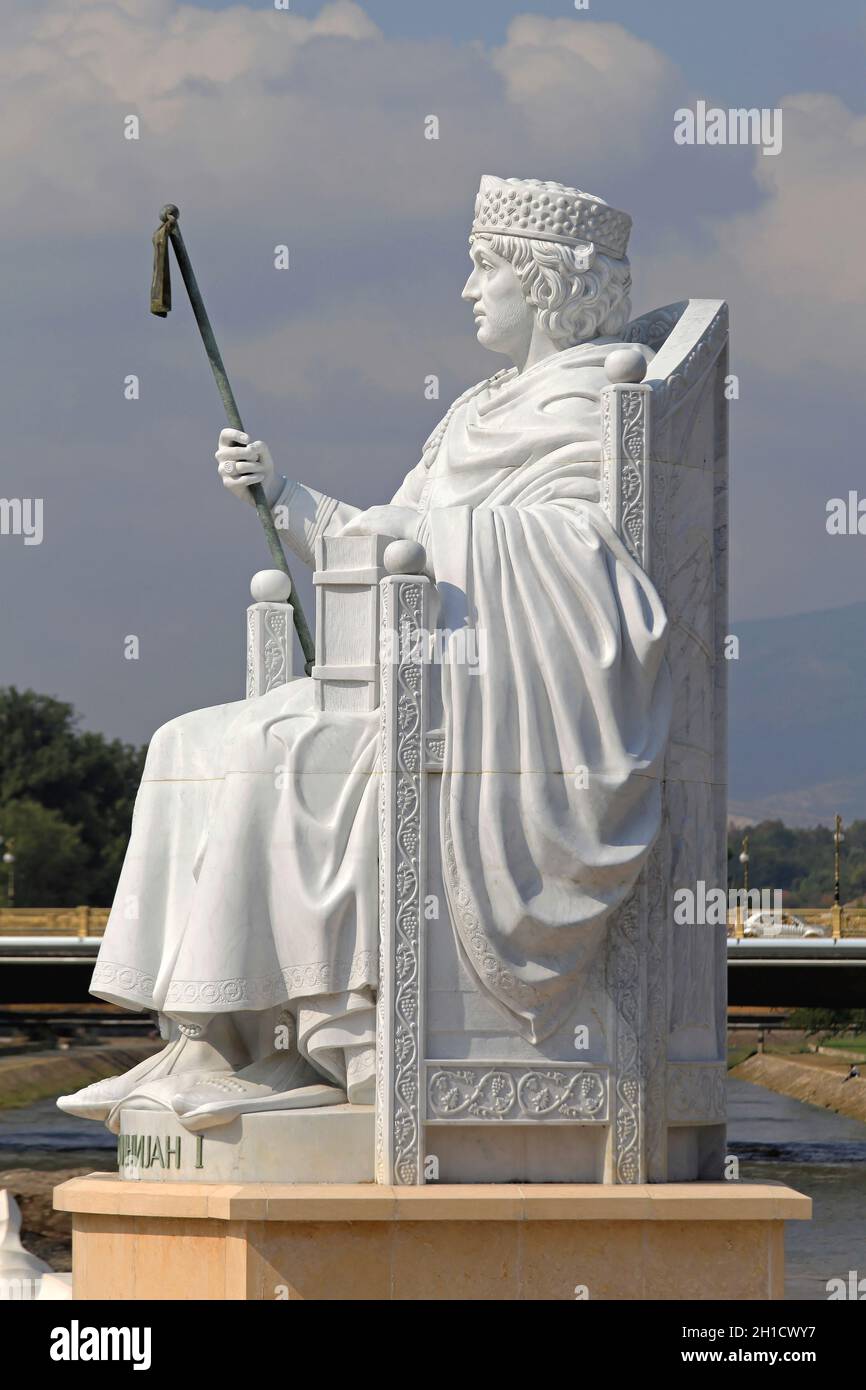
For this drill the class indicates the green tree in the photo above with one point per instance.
(800, 862)
(828, 1020)
(49, 857)
(87, 781)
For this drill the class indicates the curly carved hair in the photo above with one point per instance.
(573, 303)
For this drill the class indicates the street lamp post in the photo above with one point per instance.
(9, 861)
(744, 860)
(838, 837)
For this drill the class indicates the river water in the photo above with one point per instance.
(816, 1152)
(776, 1140)
(41, 1136)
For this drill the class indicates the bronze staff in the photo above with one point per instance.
(160, 304)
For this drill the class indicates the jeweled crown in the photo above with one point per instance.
(550, 212)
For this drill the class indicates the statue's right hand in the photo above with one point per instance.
(242, 463)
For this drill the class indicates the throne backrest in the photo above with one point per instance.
(665, 487)
(650, 423)
(664, 484)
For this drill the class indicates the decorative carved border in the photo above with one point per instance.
(632, 479)
(399, 1126)
(653, 329)
(251, 654)
(469, 1092)
(626, 498)
(269, 647)
(434, 749)
(625, 449)
(608, 456)
(694, 366)
(624, 987)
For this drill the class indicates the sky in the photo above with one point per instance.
(306, 128)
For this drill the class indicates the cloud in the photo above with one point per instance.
(330, 106)
(380, 354)
(208, 88)
(792, 265)
(270, 128)
(267, 127)
(594, 83)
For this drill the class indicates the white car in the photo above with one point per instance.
(779, 924)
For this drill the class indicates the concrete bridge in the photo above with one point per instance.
(815, 973)
(785, 972)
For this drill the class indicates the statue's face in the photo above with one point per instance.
(503, 319)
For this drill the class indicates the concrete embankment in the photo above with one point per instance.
(809, 1081)
(843, 1054)
(39, 1074)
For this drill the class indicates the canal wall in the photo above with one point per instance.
(38, 1075)
(843, 1054)
(803, 1080)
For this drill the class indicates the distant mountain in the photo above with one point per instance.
(797, 734)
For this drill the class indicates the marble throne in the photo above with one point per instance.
(631, 1088)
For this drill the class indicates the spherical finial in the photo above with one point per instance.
(405, 557)
(170, 210)
(625, 366)
(270, 586)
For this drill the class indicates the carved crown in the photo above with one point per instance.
(549, 212)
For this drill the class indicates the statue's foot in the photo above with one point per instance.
(94, 1102)
(280, 1082)
(191, 1051)
(154, 1094)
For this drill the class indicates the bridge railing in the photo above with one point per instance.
(53, 921)
(90, 921)
(836, 922)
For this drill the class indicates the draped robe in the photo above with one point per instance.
(251, 874)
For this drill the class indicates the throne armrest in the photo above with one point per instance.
(270, 646)
(349, 629)
(347, 575)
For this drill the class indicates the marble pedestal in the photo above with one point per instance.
(331, 1144)
(259, 1241)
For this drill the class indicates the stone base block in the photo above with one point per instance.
(333, 1143)
(263, 1241)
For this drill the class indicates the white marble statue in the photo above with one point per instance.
(246, 913)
